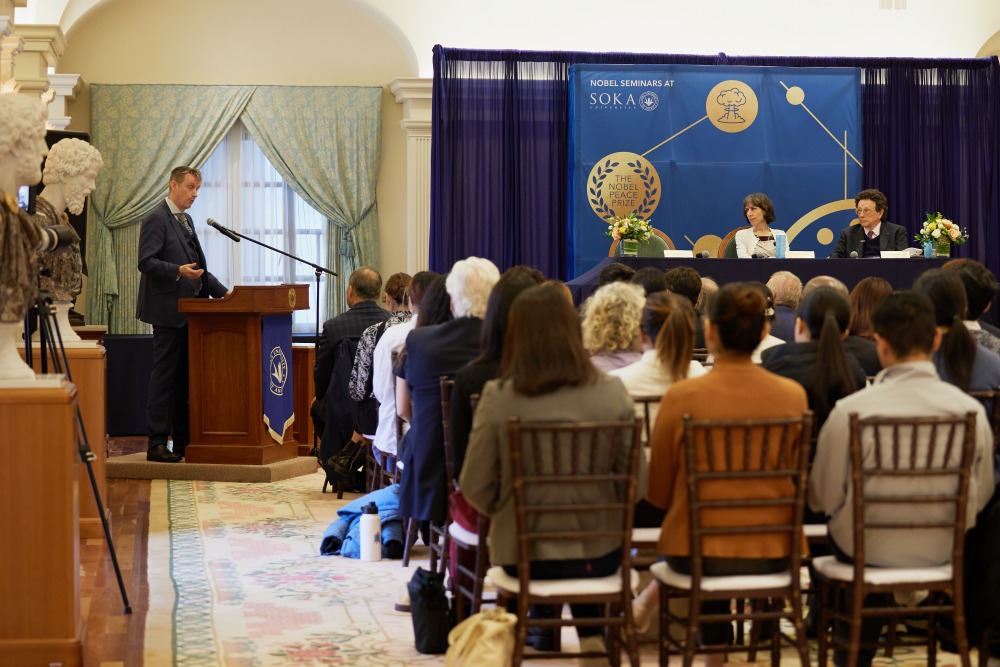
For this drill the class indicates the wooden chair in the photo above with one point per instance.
(700, 354)
(991, 401)
(440, 541)
(886, 466)
(557, 456)
(657, 243)
(646, 407)
(732, 454)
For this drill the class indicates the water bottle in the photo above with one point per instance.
(371, 533)
(780, 244)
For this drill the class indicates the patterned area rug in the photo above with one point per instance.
(236, 580)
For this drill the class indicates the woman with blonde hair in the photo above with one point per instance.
(611, 318)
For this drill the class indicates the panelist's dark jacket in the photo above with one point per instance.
(163, 247)
(891, 237)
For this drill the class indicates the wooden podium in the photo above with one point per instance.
(226, 377)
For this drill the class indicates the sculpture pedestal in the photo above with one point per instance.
(40, 621)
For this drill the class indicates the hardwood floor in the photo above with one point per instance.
(114, 638)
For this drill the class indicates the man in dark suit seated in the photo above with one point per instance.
(873, 234)
(330, 411)
(172, 265)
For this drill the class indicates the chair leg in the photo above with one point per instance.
(961, 637)
(410, 539)
(823, 628)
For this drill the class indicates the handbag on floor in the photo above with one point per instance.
(429, 610)
(485, 639)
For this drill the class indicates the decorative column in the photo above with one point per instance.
(10, 46)
(415, 96)
(43, 46)
(62, 88)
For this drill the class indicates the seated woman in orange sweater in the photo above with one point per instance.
(736, 388)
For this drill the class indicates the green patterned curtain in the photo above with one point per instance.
(326, 143)
(143, 131)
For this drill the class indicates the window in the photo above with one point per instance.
(242, 191)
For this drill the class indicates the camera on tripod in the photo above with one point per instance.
(57, 238)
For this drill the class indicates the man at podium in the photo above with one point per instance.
(172, 265)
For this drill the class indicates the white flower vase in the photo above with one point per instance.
(630, 248)
(942, 247)
(12, 366)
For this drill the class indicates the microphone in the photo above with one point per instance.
(703, 254)
(854, 254)
(223, 230)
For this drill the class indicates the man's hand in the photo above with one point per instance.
(189, 271)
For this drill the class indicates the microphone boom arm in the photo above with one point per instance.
(236, 236)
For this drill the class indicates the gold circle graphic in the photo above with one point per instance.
(824, 236)
(624, 183)
(731, 106)
(795, 96)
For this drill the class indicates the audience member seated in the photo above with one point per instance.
(611, 319)
(787, 290)
(332, 408)
(708, 289)
(383, 376)
(651, 279)
(769, 341)
(685, 281)
(980, 290)
(472, 376)
(906, 334)
(817, 359)
(960, 360)
(361, 385)
(758, 240)
(863, 349)
(736, 388)
(865, 296)
(615, 272)
(544, 376)
(433, 351)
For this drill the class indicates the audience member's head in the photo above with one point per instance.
(541, 359)
(615, 272)
(685, 281)
(768, 297)
(395, 290)
(469, 284)
(563, 286)
(865, 296)
(708, 289)
(668, 322)
(435, 307)
(786, 288)
(611, 318)
(824, 281)
(737, 320)
(958, 348)
(905, 329)
(823, 317)
(535, 273)
(365, 284)
(419, 283)
(979, 282)
(651, 279)
(511, 283)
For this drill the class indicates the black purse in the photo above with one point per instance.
(348, 460)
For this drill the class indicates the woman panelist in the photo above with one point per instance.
(758, 241)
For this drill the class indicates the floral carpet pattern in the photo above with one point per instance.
(236, 580)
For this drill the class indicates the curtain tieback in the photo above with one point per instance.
(346, 244)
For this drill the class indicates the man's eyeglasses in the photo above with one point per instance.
(865, 211)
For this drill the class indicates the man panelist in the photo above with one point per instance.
(873, 234)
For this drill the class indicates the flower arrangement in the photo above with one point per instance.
(938, 228)
(629, 227)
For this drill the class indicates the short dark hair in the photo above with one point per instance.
(177, 174)
(367, 283)
(979, 282)
(737, 314)
(685, 281)
(865, 296)
(395, 287)
(435, 307)
(881, 203)
(513, 281)
(419, 283)
(905, 321)
(614, 272)
(540, 359)
(761, 201)
(651, 279)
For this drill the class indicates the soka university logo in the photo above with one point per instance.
(279, 371)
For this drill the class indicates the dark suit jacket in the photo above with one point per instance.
(162, 249)
(349, 324)
(890, 237)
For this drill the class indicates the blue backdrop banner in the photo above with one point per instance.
(682, 145)
(276, 345)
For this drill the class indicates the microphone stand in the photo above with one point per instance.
(317, 271)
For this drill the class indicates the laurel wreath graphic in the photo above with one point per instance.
(649, 180)
(597, 191)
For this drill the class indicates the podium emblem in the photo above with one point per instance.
(291, 298)
(278, 371)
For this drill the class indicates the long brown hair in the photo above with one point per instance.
(543, 350)
(865, 296)
(672, 320)
(826, 312)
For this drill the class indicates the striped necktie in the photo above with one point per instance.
(183, 219)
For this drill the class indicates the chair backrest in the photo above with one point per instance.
(727, 247)
(700, 354)
(913, 473)
(657, 243)
(991, 401)
(646, 407)
(746, 478)
(562, 471)
(446, 385)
